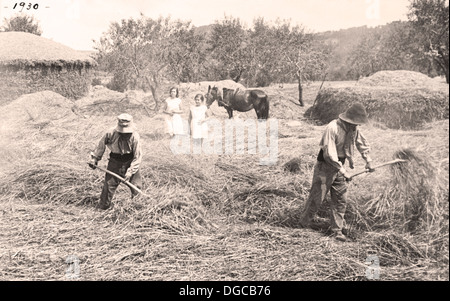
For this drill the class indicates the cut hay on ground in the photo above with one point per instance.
(208, 217)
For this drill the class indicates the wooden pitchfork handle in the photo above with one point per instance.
(118, 177)
(377, 166)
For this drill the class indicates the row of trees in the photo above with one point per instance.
(143, 53)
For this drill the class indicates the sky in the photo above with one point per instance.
(76, 23)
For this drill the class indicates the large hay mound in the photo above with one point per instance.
(40, 107)
(403, 105)
(399, 78)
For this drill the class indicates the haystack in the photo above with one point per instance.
(39, 107)
(399, 78)
(397, 99)
(30, 63)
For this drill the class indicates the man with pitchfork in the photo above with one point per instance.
(336, 147)
(124, 159)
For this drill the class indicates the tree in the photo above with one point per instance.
(430, 19)
(23, 23)
(300, 56)
(142, 53)
(262, 50)
(365, 59)
(229, 41)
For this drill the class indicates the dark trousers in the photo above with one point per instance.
(326, 179)
(111, 182)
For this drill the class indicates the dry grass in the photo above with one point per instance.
(393, 99)
(216, 217)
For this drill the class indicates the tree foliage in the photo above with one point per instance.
(142, 53)
(430, 20)
(22, 22)
(229, 48)
(420, 44)
(266, 52)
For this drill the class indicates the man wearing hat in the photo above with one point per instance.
(124, 159)
(336, 147)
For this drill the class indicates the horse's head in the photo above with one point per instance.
(213, 95)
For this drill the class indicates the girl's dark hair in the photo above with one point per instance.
(172, 89)
(201, 97)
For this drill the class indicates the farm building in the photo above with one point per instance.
(30, 63)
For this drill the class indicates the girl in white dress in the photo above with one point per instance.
(172, 109)
(197, 119)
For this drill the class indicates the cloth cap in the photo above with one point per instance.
(356, 114)
(125, 123)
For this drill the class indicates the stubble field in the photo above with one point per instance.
(205, 217)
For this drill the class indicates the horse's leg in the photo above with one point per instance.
(266, 108)
(258, 113)
(230, 113)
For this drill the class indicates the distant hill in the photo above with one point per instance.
(343, 42)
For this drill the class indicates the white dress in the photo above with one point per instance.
(199, 129)
(175, 122)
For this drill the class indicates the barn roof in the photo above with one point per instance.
(22, 48)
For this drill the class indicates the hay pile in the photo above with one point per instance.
(104, 102)
(58, 183)
(399, 78)
(36, 108)
(169, 206)
(415, 200)
(399, 106)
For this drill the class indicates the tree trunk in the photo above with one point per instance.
(238, 77)
(300, 91)
(445, 67)
(443, 64)
(154, 88)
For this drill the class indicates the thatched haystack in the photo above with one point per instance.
(30, 63)
(397, 99)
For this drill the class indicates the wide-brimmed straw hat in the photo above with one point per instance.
(356, 114)
(125, 123)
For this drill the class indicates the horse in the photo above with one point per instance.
(240, 100)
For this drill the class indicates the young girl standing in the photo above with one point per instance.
(197, 116)
(172, 108)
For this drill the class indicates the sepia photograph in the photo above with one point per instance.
(226, 148)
